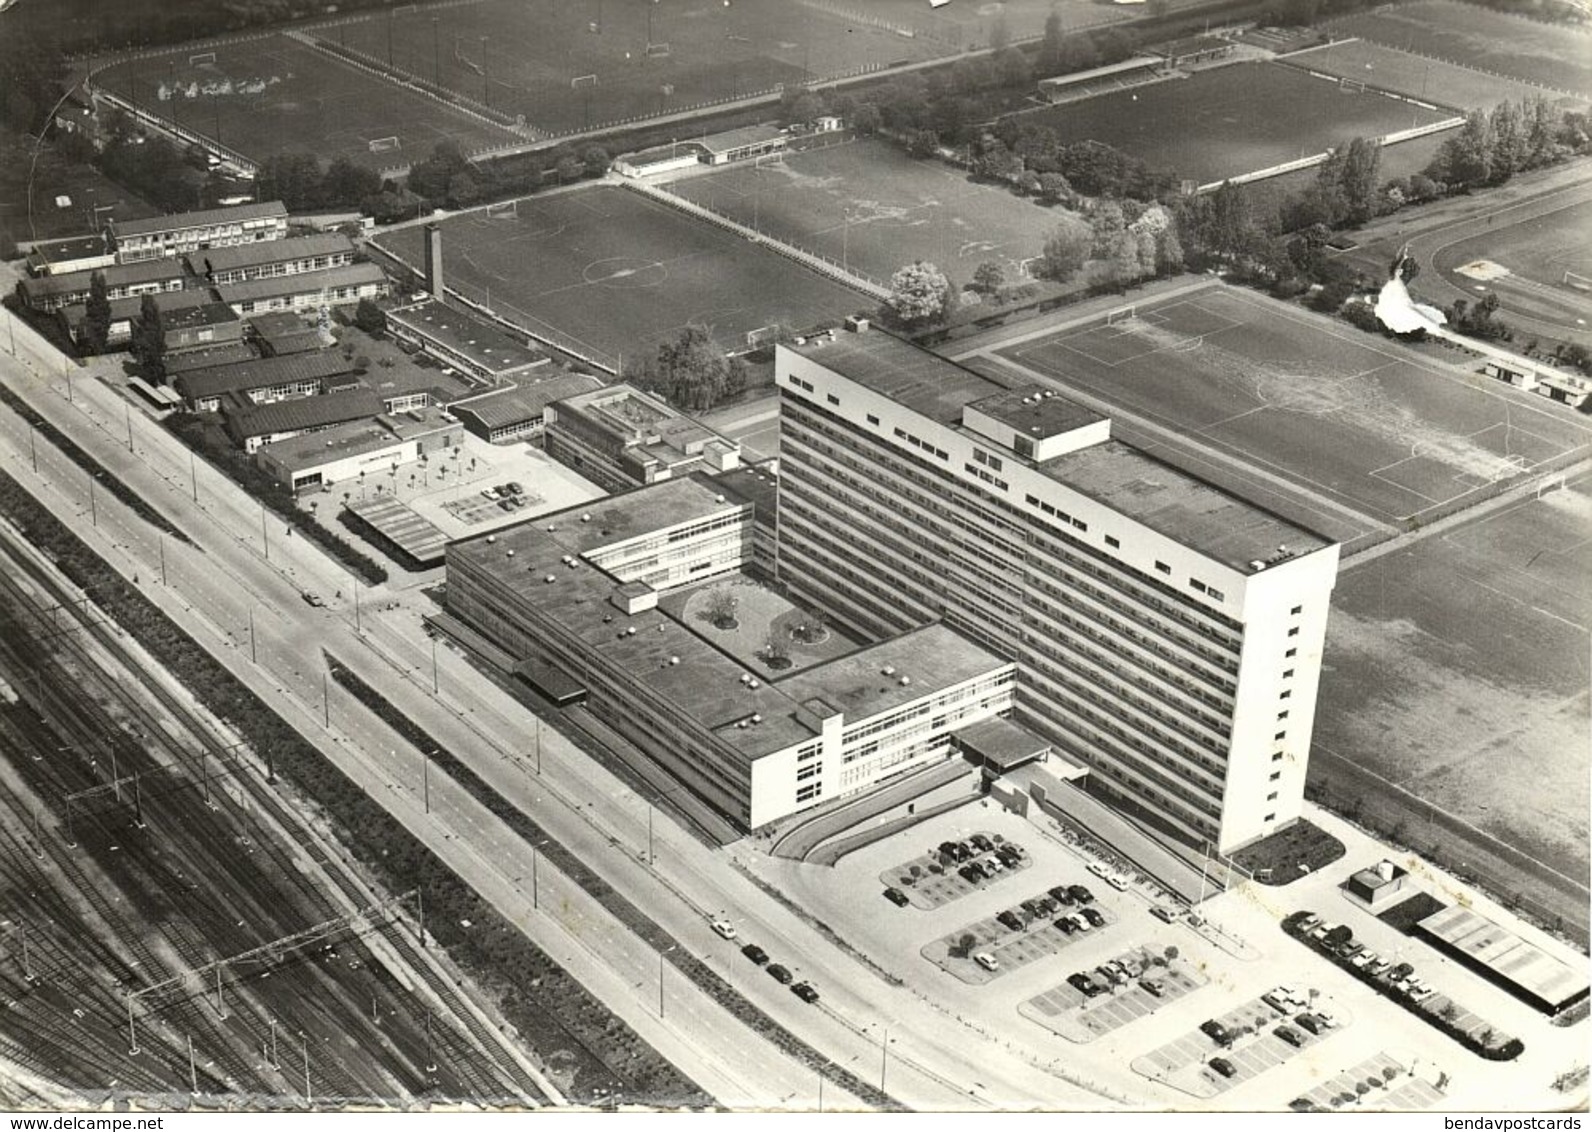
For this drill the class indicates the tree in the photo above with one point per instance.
(369, 317)
(1358, 179)
(1510, 142)
(1171, 952)
(722, 607)
(595, 158)
(1000, 34)
(1466, 155)
(693, 371)
(989, 277)
(1054, 187)
(1050, 47)
(97, 317)
(865, 120)
(922, 143)
(1066, 250)
(776, 654)
(1107, 222)
(148, 344)
(919, 295)
(963, 946)
(804, 108)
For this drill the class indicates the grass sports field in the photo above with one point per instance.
(521, 56)
(1456, 668)
(1231, 120)
(1526, 263)
(868, 205)
(1473, 36)
(1433, 80)
(274, 94)
(619, 273)
(1349, 417)
(970, 23)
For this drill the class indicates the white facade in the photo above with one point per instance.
(1187, 684)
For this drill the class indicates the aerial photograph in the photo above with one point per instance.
(986, 557)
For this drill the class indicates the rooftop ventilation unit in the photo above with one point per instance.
(888, 670)
(585, 518)
(757, 719)
(511, 554)
(674, 660)
(718, 499)
(550, 579)
(905, 680)
(631, 631)
(752, 683)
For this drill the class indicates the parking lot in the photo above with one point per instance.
(935, 878)
(1068, 1011)
(1011, 948)
(1185, 1063)
(1382, 1083)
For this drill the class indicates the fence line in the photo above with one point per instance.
(210, 145)
(818, 263)
(548, 335)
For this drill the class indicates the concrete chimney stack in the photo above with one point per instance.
(434, 279)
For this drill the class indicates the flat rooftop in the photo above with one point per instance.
(1505, 954)
(408, 531)
(909, 375)
(1182, 507)
(654, 649)
(301, 283)
(486, 346)
(526, 401)
(1037, 411)
(262, 252)
(240, 213)
(355, 438)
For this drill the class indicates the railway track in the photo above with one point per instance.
(474, 1062)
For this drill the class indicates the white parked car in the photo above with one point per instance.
(724, 928)
(987, 961)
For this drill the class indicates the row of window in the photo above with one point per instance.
(916, 442)
(987, 477)
(1200, 587)
(1057, 513)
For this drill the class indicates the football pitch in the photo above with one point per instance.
(1446, 84)
(610, 273)
(1456, 668)
(1540, 266)
(571, 64)
(1348, 417)
(273, 94)
(869, 207)
(1533, 51)
(1230, 120)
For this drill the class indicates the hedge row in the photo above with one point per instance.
(554, 1013)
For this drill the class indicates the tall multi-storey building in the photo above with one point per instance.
(1167, 633)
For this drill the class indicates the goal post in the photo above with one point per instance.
(1579, 282)
(1351, 86)
(201, 58)
(1121, 314)
(385, 145)
(503, 210)
(657, 51)
(582, 80)
(1554, 481)
(763, 336)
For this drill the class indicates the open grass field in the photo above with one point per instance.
(872, 208)
(1230, 120)
(83, 188)
(274, 94)
(1457, 668)
(1447, 84)
(618, 273)
(1526, 262)
(1472, 36)
(521, 56)
(1345, 415)
(970, 23)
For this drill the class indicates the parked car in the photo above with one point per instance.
(1010, 919)
(1153, 986)
(1161, 912)
(987, 961)
(1421, 994)
(1083, 924)
(1061, 895)
(1065, 925)
(1118, 882)
(1008, 856)
(805, 991)
(724, 928)
(1309, 1023)
(1031, 907)
(1276, 1000)
(1402, 971)
(313, 599)
(1096, 920)
(1223, 1066)
(1364, 959)
(971, 873)
(896, 897)
(991, 865)
(1289, 1035)
(1308, 922)
(1078, 980)
(1350, 950)
(755, 953)
(1379, 966)
(780, 974)
(982, 843)
(1098, 869)
(1081, 894)
(1217, 1032)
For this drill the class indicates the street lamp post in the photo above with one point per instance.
(425, 777)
